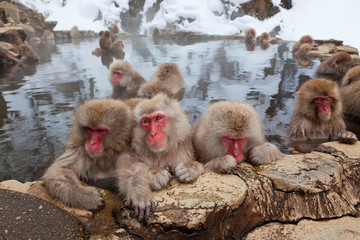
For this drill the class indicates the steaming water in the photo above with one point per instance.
(36, 111)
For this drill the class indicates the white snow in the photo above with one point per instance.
(322, 19)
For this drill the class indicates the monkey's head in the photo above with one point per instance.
(235, 127)
(250, 32)
(319, 99)
(120, 73)
(351, 76)
(101, 126)
(306, 39)
(161, 124)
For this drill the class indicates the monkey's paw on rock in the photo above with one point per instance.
(318, 186)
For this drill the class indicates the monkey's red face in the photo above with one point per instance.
(323, 105)
(153, 124)
(117, 75)
(234, 146)
(94, 145)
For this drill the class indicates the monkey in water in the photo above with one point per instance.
(161, 140)
(317, 117)
(125, 80)
(101, 131)
(168, 80)
(228, 133)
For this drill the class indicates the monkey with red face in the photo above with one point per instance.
(229, 133)
(100, 134)
(317, 117)
(161, 140)
(125, 80)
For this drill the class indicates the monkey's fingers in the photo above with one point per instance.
(347, 137)
(324, 149)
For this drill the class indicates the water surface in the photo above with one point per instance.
(36, 107)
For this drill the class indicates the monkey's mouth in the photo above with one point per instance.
(237, 155)
(157, 146)
(324, 116)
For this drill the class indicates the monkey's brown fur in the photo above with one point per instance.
(27, 54)
(350, 93)
(105, 41)
(304, 39)
(167, 79)
(250, 36)
(114, 29)
(353, 75)
(305, 123)
(339, 63)
(241, 120)
(62, 178)
(150, 169)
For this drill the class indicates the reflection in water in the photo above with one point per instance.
(36, 111)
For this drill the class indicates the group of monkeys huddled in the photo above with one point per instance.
(142, 137)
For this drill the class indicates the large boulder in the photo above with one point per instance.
(314, 186)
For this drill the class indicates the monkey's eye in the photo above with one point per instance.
(88, 129)
(157, 118)
(146, 120)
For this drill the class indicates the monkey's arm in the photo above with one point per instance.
(347, 137)
(307, 146)
(264, 154)
(62, 179)
(133, 182)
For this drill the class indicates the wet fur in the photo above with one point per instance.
(305, 124)
(167, 79)
(337, 64)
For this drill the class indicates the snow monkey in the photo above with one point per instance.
(229, 133)
(161, 141)
(125, 80)
(168, 80)
(100, 133)
(317, 117)
(338, 64)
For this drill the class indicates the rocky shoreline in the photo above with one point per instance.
(309, 195)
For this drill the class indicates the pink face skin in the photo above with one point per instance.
(117, 75)
(94, 145)
(153, 124)
(323, 105)
(234, 146)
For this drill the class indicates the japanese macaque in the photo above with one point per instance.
(250, 39)
(317, 117)
(125, 80)
(162, 142)
(101, 131)
(27, 54)
(263, 40)
(250, 36)
(7, 57)
(300, 56)
(338, 64)
(168, 80)
(229, 133)
(105, 40)
(114, 29)
(304, 39)
(350, 93)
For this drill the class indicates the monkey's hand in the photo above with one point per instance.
(159, 178)
(223, 164)
(188, 171)
(264, 154)
(88, 198)
(141, 200)
(324, 149)
(347, 137)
